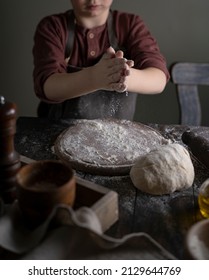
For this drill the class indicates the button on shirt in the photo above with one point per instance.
(91, 35)
(91, 44)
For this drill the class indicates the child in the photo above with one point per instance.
(90, 62)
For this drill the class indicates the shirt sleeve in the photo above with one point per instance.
(139, 44)
(48, 51)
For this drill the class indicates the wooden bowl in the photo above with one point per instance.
(41, 186)
(197, 241)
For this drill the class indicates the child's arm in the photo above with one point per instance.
(147, 81)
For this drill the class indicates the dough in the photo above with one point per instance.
(163, 170)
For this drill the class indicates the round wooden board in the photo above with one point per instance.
(106, 146)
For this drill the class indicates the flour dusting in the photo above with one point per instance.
(107, 142)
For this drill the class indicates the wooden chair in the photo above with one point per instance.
(187, 77)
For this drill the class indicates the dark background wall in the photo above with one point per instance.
(180, 26)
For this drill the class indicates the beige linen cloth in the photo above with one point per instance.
(69, 234)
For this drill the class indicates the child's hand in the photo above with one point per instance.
(112, 70)
(123, 83)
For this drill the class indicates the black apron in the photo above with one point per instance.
(96, 105)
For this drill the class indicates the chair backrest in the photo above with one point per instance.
(187, 77)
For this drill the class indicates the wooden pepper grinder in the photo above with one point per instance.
(9, 158)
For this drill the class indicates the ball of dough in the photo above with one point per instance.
(163, 170)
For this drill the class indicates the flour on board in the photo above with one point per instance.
(104, 142)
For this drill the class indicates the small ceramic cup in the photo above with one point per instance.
(41, 186)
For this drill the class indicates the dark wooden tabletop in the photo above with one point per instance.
(165, 218)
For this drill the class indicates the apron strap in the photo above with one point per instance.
(71, 33)
(111, 32)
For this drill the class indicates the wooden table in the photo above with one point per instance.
(165, 218)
